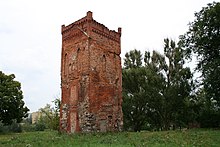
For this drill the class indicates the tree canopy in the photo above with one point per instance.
(156, 93)
(50, 115)
(11, 100)
(203, 40)
(162, 93)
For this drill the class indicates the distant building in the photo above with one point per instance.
(35, 116)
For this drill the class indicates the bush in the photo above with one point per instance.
(40, 127)
(15, 127)
(210, 119)
(3, 129)
(28, 127)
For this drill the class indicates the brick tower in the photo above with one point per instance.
(91, 79)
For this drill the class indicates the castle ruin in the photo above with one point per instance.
(91, 77)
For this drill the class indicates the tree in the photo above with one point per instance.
(157, 93)
(135, 104)
(133, 59)
(203, 40)
(137, 92)
(50, 115)
(11, 100)
(176, 84)
(133, 110)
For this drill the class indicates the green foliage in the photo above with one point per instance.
(135, 100)
(11, 100)
(178, 87)
(27, 127)
(13, 127)
(133, 59)
(40, 125)
(203, 40)
(122, 139)
(156, 94)
(3, 128)
(50, 116)
(208, 114)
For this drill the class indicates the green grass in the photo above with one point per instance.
(197, 137)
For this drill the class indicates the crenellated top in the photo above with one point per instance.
(89, 25)
(104, 31)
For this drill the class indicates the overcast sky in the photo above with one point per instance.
(30, 35)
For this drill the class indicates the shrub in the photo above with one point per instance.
(3, 128)
(40, 127)
(15, 127)
(28, 127)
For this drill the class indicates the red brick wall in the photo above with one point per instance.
(91, 79)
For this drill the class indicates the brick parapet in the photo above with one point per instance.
(88, 24)
(105, 32)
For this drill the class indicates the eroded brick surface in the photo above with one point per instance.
(91, 78)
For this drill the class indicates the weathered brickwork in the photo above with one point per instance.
(91, 78)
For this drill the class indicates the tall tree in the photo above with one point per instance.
(134, 104)
(176, 81)
(203, 39)
(139, 91)
(11, 100)
(133, 59)
(158, 92)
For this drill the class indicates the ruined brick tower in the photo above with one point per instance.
(91, 79)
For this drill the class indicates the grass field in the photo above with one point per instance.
(197, 137)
